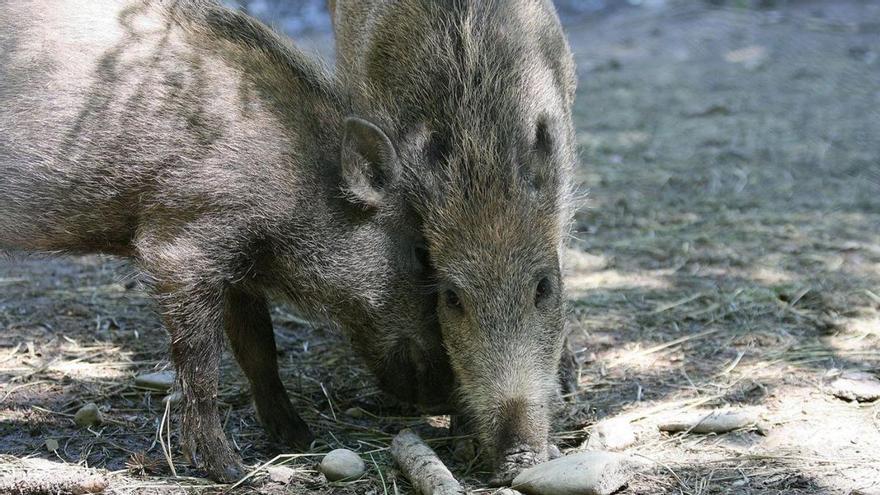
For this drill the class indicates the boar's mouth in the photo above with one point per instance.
(427, 383)
(513, 461)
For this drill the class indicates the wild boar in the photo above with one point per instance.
(197, 142)
(481, 92)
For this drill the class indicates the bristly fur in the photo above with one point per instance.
(196, 141)
(479, 97)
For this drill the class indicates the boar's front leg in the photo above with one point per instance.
(190, 289)
(194, 317)
(249, 329)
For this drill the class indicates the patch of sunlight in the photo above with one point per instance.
(830, 438)
(638, 358)
(745, 55)
(613, 279)
(82, 370)
(577, 261)
(14, 415)
(93, 361)
(770, 276)
(438, 421)
(853, 346)
(864, 326)
(620, 141)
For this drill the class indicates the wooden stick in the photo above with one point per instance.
(45, 483)
(426, 472)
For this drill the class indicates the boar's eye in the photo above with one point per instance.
(452, 300)
(438, 148)
(422, 257)
(543, 291)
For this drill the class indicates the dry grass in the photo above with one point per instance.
(732, 232)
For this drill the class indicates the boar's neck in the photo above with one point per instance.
(313, 221)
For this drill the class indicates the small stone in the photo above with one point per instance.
(174, 398)
(159, 380)
(354, 412)
(763, 428)
(280, 474)
(611, 434)
(584, 473)
(856, 386)
(342, 465)
(88, 415)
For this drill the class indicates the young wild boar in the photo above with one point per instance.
(482, 92)
(195, 141)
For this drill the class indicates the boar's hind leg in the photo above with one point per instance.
(249, 329)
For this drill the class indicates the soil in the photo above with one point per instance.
(727, 253)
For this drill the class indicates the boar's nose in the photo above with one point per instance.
(519, 424)
(521, 441)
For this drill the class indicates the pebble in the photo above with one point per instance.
(174, 398)
(583, 473)
(88, 415)
(280, 474)
(159, 380)
(709, 421)
(611, 434)
(856, 386)
(354, 412)
(342, 465)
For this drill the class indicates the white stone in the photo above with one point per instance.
(583, 473)
(159, 380)
(88, 415)
(856, 385)
(342, 465)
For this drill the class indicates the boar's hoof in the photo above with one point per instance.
(224, 467)
(230, 474)
(209, 449)
(512, 462)
(283, 424)
(292, 432)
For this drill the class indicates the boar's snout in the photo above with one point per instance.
(521, 439)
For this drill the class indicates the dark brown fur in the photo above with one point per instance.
(479, 93)
(196, 141)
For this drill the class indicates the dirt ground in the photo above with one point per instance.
(728, 253)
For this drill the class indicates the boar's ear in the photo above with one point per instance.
(369, 162)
